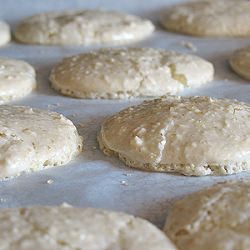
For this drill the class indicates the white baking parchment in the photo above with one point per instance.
(94, 180)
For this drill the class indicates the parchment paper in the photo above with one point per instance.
(94, 180)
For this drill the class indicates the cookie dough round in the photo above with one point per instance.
(17, 79)
(32, 139)
(215, 218)
(209, 18)
(84, 27)
(4, 33)
(77, 228)
(189, 135)
(240, 62)
(123, 73)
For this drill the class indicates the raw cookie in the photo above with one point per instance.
(215, 218)
(189, 135)
(209, 18)
(17, 79)
(123, 73)
(69, 228)
(4, 33)
(32, 139)
(83, 27)
(240, 62)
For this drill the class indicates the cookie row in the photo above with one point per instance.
(214, 218)
(118, 73)
(188, 135)
(200, 18)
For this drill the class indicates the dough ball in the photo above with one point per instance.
(17, 79)
(215, 218)
(209, 18)
(188, 135)
(84, 27)
(77, 228)
(240, 62)
(32, 139)
(124, 73)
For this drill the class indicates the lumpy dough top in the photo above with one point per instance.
(215, 218)
(121, 73)
(83, 27)
(71, 228)
(190, 135)
(32, 139)
(209, 18)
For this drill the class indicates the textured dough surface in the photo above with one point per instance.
(189, 135)
(209, 18)
(123, 73)
(32, 139)
(17, 79)
(240, 62)
(83, 27)
(4, 33)
(215, 218)
(68, 228)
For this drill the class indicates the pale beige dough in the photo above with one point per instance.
(84, 27)
(32, 139)
(68, 228)
(189, 135)
(215, 218)
(124, 73)
(240, 62)
(17, 79)
(4, 33)
(209, 18)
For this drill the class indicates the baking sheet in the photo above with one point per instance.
(94, 180)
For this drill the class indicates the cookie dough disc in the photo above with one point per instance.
(4, 33)
(83, 27)
(122, 73)
(209, 18)
(77, 228)
(240, 62)
(215, 218)
(189, 135)
(34, 139)
(17, 79)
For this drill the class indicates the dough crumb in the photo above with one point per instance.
(189, 45)
(124, 183)
(125, 174)
(50, 181)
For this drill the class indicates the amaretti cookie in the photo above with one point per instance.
(17, 79)
(209, 18)
(240, 62)
(83, 27)
(4, 33)
(123, 73)
(215, 218)
(32, 139)
(77, 228)
(188, 135)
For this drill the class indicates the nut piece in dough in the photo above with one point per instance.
(215, 218)
(189, 135)
(209, 18)
(84, 27)
(17, 79)
(32, 139)
(124, 73)
(4, 33)
(240, 62)
(69, 228)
